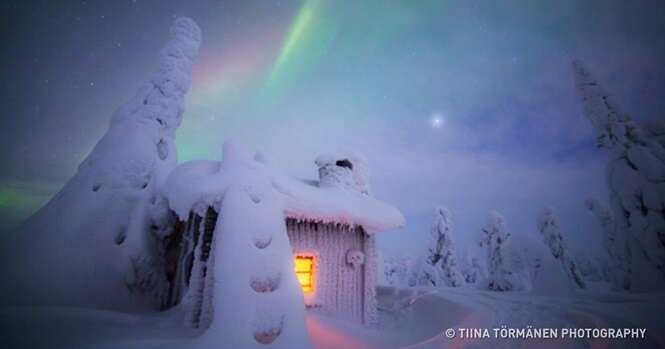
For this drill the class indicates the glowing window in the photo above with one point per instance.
(305, 272)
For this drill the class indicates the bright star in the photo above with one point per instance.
(436, 120)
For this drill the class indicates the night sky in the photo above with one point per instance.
(466, 104)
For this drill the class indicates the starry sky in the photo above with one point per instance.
(465, 104)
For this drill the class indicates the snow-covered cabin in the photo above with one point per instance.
(330, 225)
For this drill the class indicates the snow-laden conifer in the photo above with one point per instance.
(635, 171)
(548, 226)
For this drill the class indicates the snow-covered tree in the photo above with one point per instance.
(615, 242)
(591, 268)
(635, 171)
(441, 252)
(525, 261)
(472, 269)
(534, 269)
(655, 129)
(493, 238)
(548, 226)
(424, 274)
(257, 300)
(390, 271)
(110, 213)
(398, 271)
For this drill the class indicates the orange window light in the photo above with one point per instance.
(304, 266)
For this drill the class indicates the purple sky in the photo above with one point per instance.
(295, 79)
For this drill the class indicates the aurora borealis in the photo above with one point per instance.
(298, 78)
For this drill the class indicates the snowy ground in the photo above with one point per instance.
(414, 318)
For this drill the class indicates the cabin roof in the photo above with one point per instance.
(196, 185)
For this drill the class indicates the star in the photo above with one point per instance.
(436, 120)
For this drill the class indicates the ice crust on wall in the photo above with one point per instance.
(82, 248)
(339, 286)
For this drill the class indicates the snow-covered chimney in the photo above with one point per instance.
(346, 172)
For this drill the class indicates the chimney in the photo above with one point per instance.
(344, 172)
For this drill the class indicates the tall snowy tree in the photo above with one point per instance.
(72, 250)
(441, 251)
(548, 226)
(615, 242)
(493, 238)
(257, 300)
(635, 171)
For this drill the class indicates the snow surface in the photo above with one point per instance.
(410, 317)
(199, 184)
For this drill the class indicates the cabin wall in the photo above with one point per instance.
(341, 290)
(338, 287)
